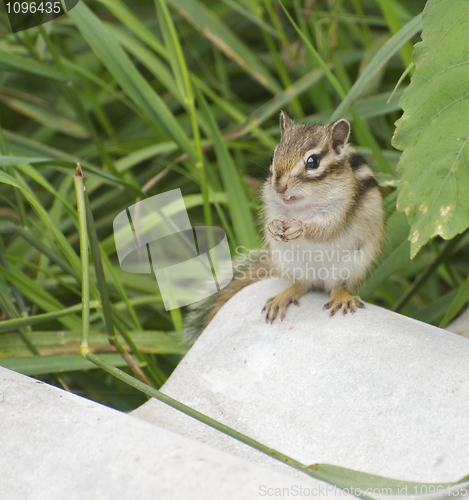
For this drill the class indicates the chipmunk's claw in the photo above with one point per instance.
(271, 310)
(341, 299)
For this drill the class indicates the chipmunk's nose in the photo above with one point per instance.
(280, 187)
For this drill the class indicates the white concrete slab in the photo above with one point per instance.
(376, 391)
(55, 446)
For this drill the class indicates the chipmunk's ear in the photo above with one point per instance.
(340, 134)
(285, 122)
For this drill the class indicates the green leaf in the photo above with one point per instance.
(433, 132)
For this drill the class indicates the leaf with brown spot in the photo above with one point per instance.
(433, 132)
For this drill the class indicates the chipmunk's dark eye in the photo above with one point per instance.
(312, 162)
(272, 159)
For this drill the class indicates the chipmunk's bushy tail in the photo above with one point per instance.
(202, 312)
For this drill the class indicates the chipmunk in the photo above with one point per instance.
(324, 220)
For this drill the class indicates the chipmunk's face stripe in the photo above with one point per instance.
(330, 170)
(319, 152)
(325, 151)
(356, 160)
(364, 185)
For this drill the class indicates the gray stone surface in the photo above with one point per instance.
(55, 446)
(375, 391)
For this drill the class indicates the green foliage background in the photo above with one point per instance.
(153, 96)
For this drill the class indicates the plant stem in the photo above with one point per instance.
(85, 284)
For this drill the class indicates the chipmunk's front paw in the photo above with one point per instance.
(293, 229)
(341, 299)
(276, 229)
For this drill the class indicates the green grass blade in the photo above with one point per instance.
(394, 23)
(440, 258)
(21, 145)
(457, 304)
(13, 324)
(381, 58)
(108, 89)
(253, 18)
(33, 238)
(52, 343)
(148, 58)
(103, 292)
(11, 161)
(274, 105)
(136, 87)
(120, 288)
(84, 257)
(363, 483)
(47, 116)
(128, 19)
(222, 37)
(39, 296)
(40, 365)
(437, 309)
(241, 216)
(58, 235)
(36, 176)
(10, 62)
